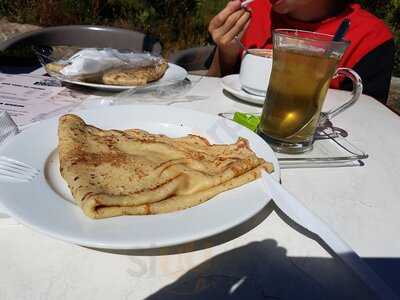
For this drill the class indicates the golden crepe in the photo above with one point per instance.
(133, 172)
(135, 76)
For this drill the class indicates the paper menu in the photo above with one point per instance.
(30, 98)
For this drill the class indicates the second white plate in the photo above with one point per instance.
(173, 75)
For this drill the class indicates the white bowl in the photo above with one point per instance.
(255, 71)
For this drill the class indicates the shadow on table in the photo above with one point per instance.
(388, 269)
(262, 270)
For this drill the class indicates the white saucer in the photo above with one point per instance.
(232, 84)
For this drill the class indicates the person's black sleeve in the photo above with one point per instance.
(375, 70)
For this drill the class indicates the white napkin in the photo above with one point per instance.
(91, 61)
(8, 129)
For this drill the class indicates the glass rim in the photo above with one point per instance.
(313, 36)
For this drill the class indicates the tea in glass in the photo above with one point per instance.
(303, 66)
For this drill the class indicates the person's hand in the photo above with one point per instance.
(227, 24)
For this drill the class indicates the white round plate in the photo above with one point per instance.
(172, 75)
(46, 205)
(231, 83)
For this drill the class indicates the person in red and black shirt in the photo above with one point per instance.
(370, 54)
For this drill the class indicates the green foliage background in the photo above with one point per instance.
(178, 23)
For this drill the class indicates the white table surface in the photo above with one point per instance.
(272, 259)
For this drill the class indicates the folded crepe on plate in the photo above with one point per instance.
(132, 172)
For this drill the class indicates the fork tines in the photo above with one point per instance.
(12, 169)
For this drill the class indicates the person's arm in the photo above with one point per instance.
(230, 22)
(375, 70)
(228, 66)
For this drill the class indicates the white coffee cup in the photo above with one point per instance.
(255, 71)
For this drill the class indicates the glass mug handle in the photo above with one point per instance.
(356, 92)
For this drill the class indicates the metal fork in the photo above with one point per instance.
(13, 170)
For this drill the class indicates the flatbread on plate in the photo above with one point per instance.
(135, 76)
(125, 75)
(133, 172)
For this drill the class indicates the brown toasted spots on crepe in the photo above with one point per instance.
(144, 173)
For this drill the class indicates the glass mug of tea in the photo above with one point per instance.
(303, 65)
